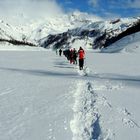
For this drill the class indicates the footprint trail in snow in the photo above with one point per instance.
(94, 114)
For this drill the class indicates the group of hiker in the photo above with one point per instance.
(72, 55)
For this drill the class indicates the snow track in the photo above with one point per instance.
(86, 124)
(95, 116)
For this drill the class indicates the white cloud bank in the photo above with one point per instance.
(29, 8)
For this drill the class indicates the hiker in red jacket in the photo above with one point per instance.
(81, 54)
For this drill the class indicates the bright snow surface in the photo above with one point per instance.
(43, 97)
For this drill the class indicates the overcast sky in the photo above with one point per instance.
(52, 8)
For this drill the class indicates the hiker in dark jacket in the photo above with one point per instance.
(60, 52)
(71, 56)
(75, 55)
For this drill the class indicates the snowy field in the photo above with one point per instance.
(43, 97)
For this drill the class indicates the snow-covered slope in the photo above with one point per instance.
(15, 35)
(125, 42)
(9, 32)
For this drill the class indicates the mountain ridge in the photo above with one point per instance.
(66, 31)
(93, 34)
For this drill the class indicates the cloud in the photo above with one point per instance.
(124, 4)
(111, 16)
(30, 8)
(116, 3)
(117, 8)
(134, 4)
(68, 2)
(94, 3)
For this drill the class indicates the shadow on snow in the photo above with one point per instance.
(96, 129)
(39, 72)
(103, 76)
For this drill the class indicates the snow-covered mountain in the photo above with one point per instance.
(70, 30)
(58, 25)
(34, 30)
(93, 34)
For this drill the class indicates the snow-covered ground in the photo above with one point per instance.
(43, 97)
